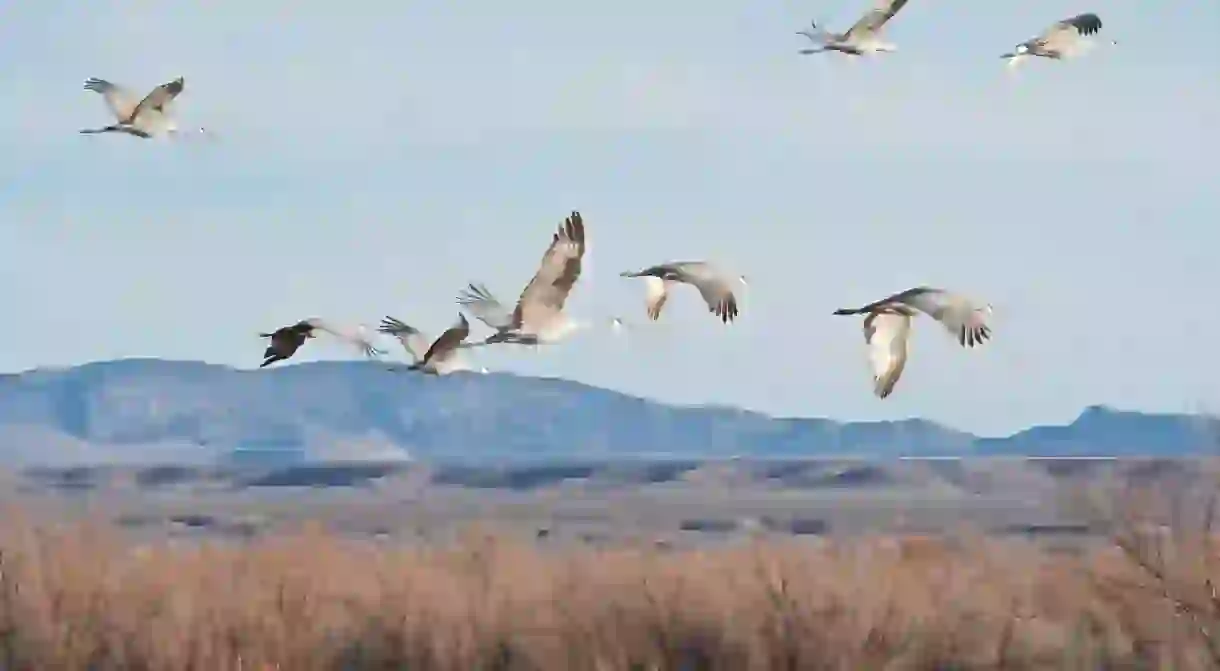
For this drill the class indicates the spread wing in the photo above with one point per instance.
(547, 292)
(959, 316)
(712, 286)
(157, 100)
(657, 292)
(485, 307)
(875, 18)
(1081, 24)
(1064, 35)
(284, 336)
(120, 101)
(358, 336)
(449, 341)
(415, 342)
(886, 334)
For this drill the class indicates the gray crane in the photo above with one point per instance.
(1064, 39)
(286, 340)
(887, 328)
(439, 357)
(143, 118)
(714, 285)
(538, 317)
(864, 37)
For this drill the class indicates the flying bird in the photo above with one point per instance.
(439, 357)
(286, 340)
(1064, 39)
(862, 38)
(887, 328)
(143, 118)
(714, 285)
(538, 317)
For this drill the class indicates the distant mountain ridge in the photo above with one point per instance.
(151, 410)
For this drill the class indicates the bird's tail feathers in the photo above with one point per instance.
(105, 129)
(814, 32)
(848, 311)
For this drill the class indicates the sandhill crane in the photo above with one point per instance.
(439, 357)
(538, 317)
(887, 328)
(862, 38)
(714, 285)
(286, 340)
(1064, 39)
(143, 118)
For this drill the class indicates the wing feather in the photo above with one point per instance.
(959, 316)
(886, 334)
(485, 307)
(357, 336)
(1083, 24)
(657, 293)
(157, 100)
(412, 339)
(448, 342)
(548, 290)
(875, 18)
(712, 285)
(1063, 37)
(121, 101)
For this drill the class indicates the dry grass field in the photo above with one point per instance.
(79, 596)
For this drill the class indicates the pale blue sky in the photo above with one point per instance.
(376, 156)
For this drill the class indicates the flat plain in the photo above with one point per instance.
(670, 502)
(695, 564)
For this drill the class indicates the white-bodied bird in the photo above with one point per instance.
(1064, 39)
(714, 285)
(144, 118)
(887, 328)
(539, 316)
(864, 37)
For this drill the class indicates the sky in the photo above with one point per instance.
(372, 158)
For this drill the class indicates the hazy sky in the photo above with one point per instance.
(376, 156)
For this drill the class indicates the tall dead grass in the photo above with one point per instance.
(78, 597)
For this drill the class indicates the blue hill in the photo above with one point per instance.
(155, 410)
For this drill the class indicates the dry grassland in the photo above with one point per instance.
(79, 597)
